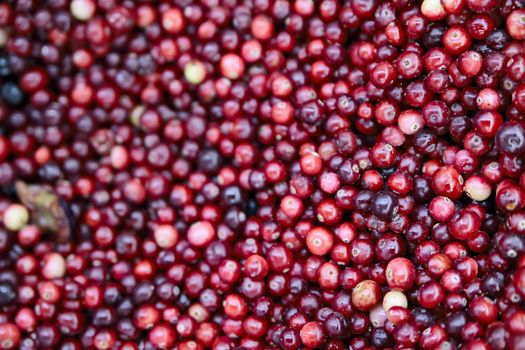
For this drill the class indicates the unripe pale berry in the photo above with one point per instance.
(195, 72)
(394, 298)
(15, 217)
(477, 188)
(83, 10)
(433, 10)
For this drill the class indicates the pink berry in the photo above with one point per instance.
(201, 233)
(516, 24)
(232, 66)
(166, 236)
(53, 266)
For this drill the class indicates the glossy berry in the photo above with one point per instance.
(11, 94)
(400, 274)
(516, 24)
(15, 217)
(319, 241)
(312, 334)
(447, 181)
(366, 295)
(201, 233)
(262, 175)
(510, 138)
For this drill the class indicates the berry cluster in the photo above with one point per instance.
(262, 174)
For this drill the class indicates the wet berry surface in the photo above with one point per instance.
(262, 174)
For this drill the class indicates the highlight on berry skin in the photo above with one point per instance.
(262, 174)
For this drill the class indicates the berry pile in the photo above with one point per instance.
(262, 174)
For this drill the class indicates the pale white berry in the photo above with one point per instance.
(83, 10)
(433, 10)
(15, 217)
(394, 298)
(195, 72)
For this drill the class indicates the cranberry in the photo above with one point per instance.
(195, 72)
(464, 224)
(319, 241)
(400, 273)
(470, 63)
(510, 138)
(483, 310)
(162, 336)
(262, 174)
(312, 334)
(10, 336)
(378, 316)
(201, 233)
(515, 25)
(410, 122)
(394, 298)
(433, 10)
(232, 66)
(430, 295)
(456, 40)
(447, 181)
(406, 334)
(366, 295)
(15, 217)
(384, 205)
(441, 208)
